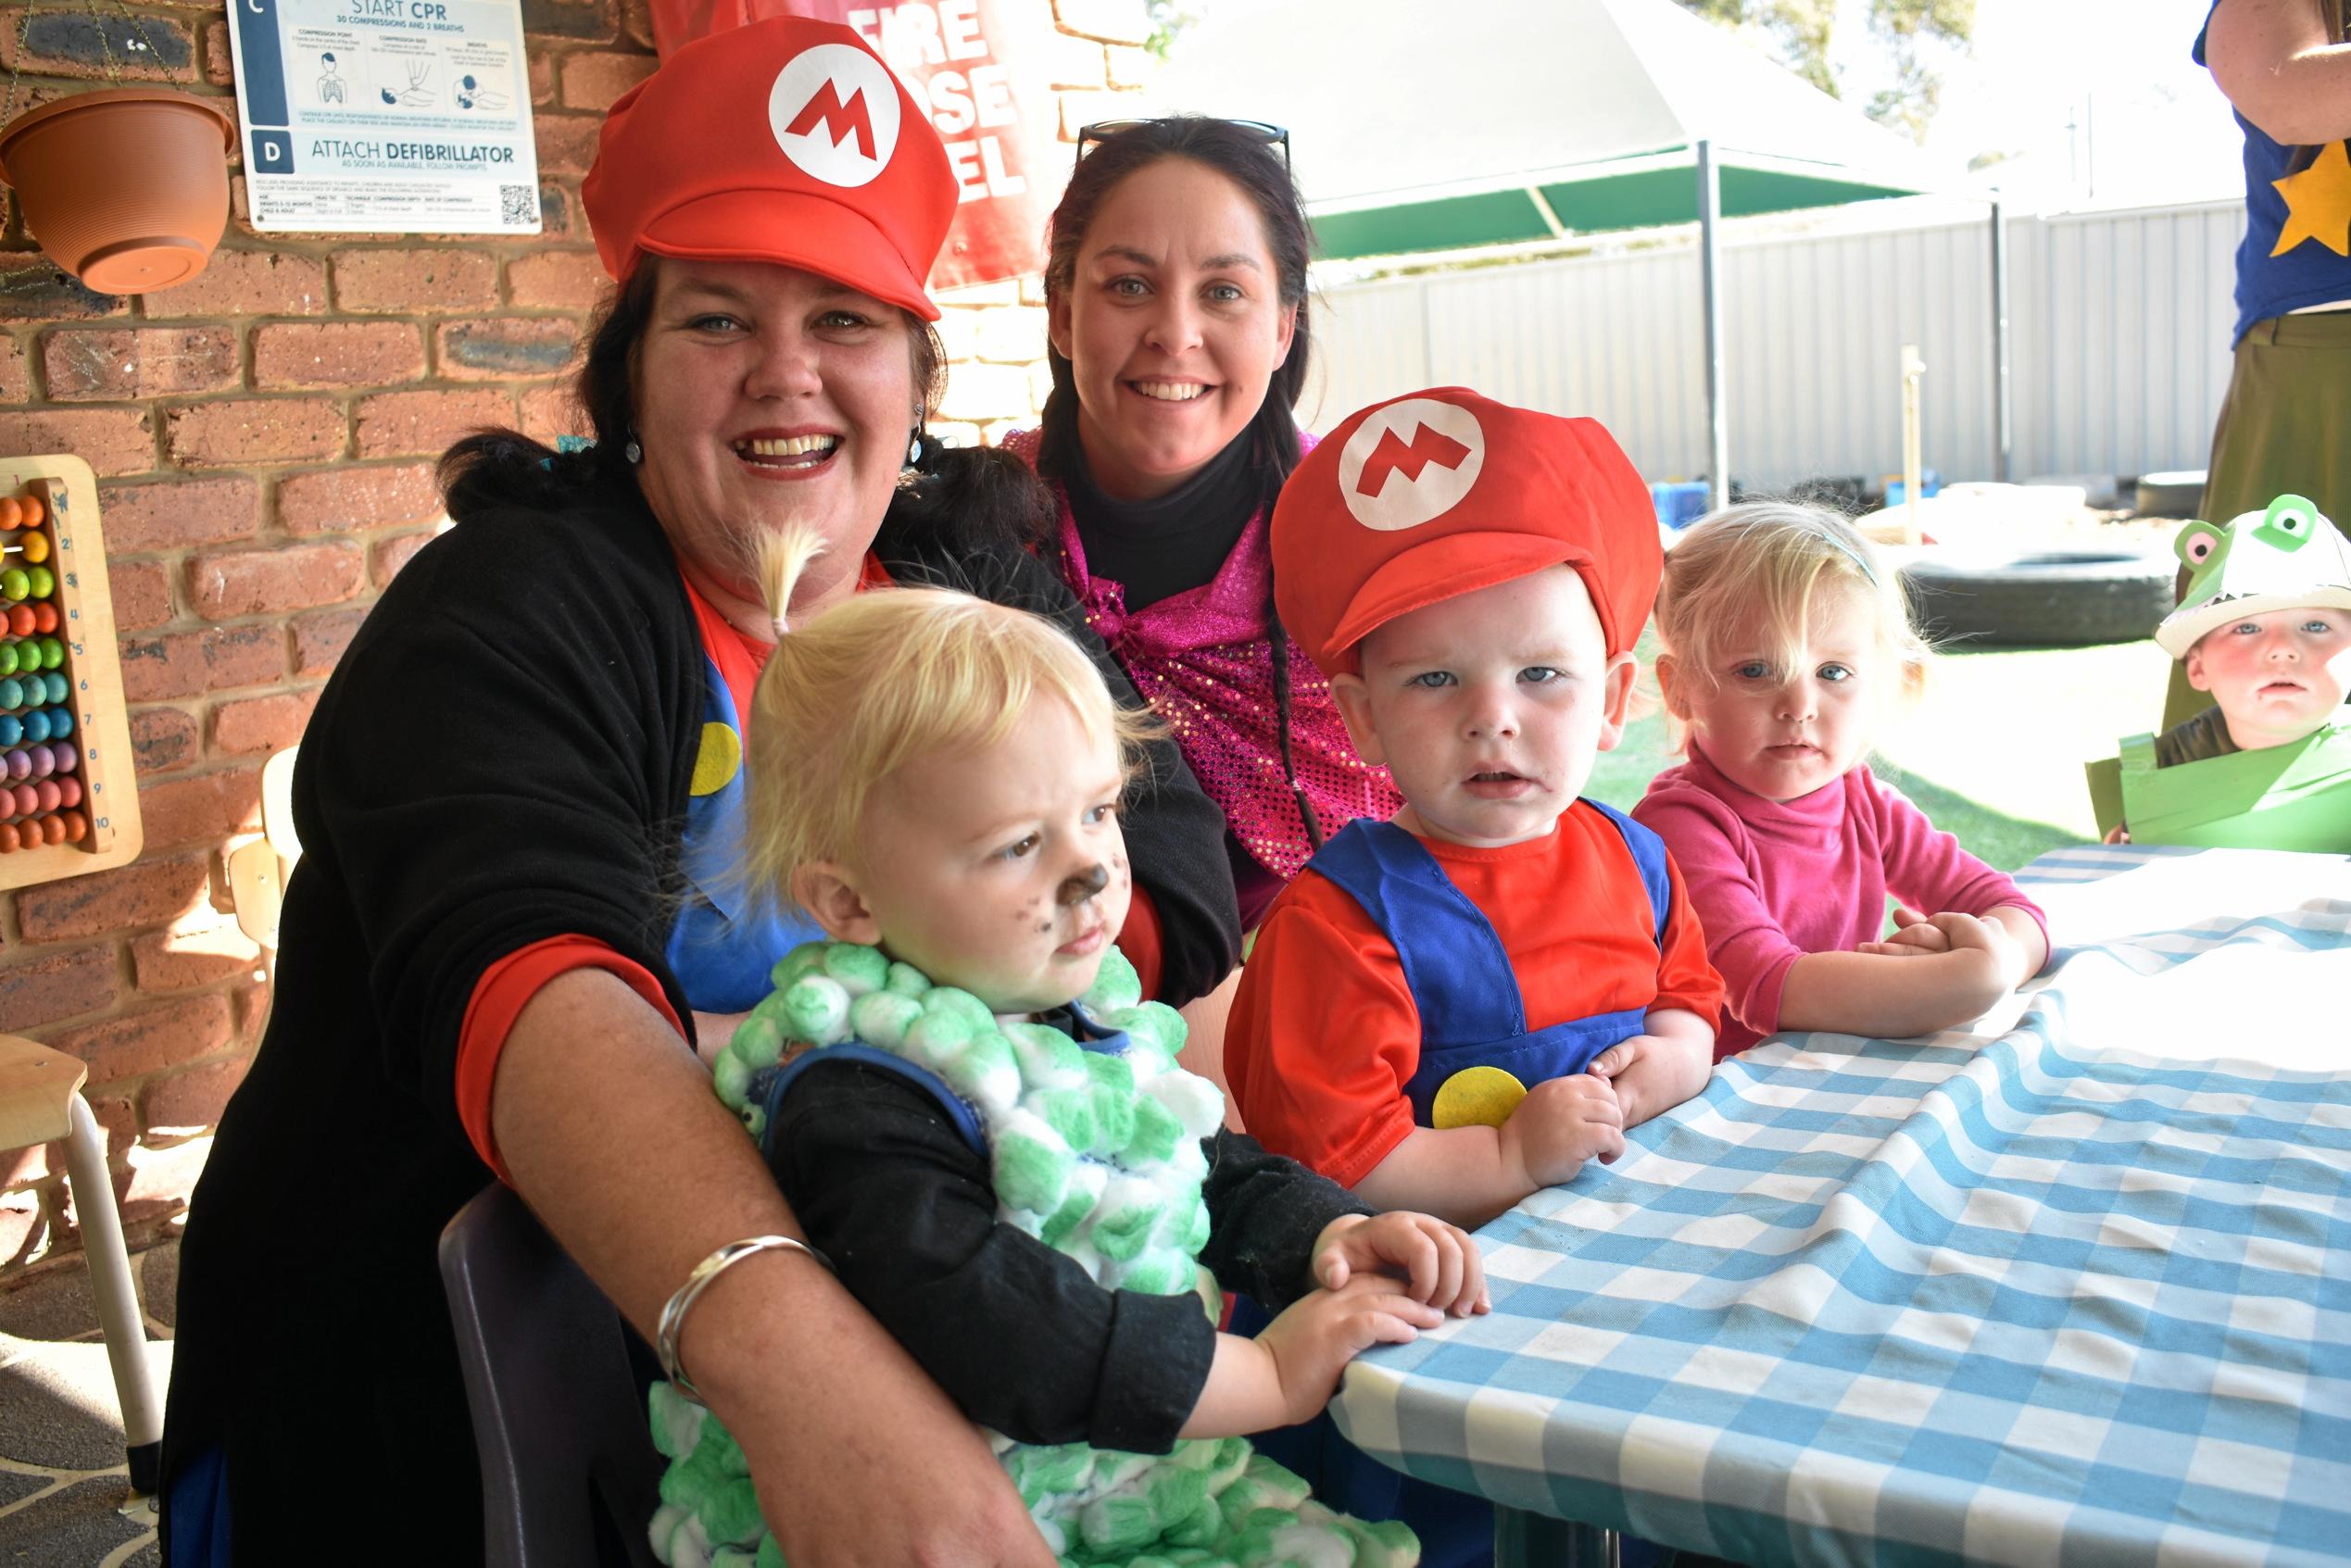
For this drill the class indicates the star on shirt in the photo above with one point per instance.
(2317, 203)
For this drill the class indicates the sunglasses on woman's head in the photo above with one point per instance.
(1102, 129)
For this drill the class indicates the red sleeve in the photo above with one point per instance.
(1138, 939)
(1323, 1036)
(1685, 978)
(499, 997)
(1927, 870)
(1749, 950)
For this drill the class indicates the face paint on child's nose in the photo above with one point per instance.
(1087, 883)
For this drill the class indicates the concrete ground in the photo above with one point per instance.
(65, 1497)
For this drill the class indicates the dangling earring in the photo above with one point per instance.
(633, 452)
(914, 448)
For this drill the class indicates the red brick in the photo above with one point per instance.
(219, 62)
(337, 500)
(131, 897)
(402, 424)
(187, 1102)
(118, 1121)
(189, 663)
(261, 723)
(391, 555)
(590, 19)
(636, 22)
(550, 411)
(159, 1181)
(22, 1230)
(16, 382)
(415, 279)
(204, 809)
(567, 141)
(555, 212)
(593, 79)
(293, 354)
(171, 515)
(182, 959)
(318, 640)
(501, 347)
(141, 593)
(247, 282)
(150, 49)
(122, 363)
(240, 432)
(557, 279)
(33, 288)
(221, 587)
(542, 78)
(162, 739)
(56, 985)
(112, 441)
(253, 1010)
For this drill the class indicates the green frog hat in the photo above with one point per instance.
(2287, 558)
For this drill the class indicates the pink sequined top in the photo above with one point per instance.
(1204, 663)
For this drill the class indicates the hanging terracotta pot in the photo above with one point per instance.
(126, 188)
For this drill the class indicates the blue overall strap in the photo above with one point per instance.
(959, 1110)
(1460, 976)
(1649, 858)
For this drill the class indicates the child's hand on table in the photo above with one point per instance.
(1997, 955)
(1439, 1262)
(1313, 1339)
(1561, 1123)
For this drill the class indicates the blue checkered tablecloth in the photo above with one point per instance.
(2073, 1286)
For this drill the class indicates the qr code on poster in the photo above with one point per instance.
(518, 203)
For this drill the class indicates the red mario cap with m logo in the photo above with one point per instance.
(1441, 492)
(786, 140)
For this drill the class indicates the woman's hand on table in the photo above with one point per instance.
(1438, 1261)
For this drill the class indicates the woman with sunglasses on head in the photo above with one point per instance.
(1176, 286)
(517, 909)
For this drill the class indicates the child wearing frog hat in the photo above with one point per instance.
(2265, 627)
(1455, 1008)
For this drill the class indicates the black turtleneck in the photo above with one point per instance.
(1157, 548)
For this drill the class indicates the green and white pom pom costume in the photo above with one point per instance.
(1094, 1148)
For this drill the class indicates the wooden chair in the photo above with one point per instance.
(40, 1102)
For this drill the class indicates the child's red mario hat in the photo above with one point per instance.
(1441, 492)
(786, 140)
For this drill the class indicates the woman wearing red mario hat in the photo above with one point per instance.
(518, 799)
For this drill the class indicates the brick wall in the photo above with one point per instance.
(264, 438)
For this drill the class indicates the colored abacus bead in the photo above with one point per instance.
(27, 799)
(8, 658)
(77, 827)
(52, 830)
(11, 728)
(41, 581)
(20, 620)
(61, 724)
(39, 726)
(11, 513)
(17, 765)
(57, 686)
(11, 692)
(53, 653)
(66, 757)
(7, 838)
(69, 792)
(44, 760)
(48, 794)
(15, 585)
(44, 616)
(36, 546)
(29, 511)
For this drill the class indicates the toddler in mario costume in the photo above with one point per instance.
(1462, 1005)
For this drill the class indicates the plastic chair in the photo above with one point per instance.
(558, 1416)
(40, 1102)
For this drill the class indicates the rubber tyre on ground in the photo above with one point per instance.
(2061, 599)
(2176, 494)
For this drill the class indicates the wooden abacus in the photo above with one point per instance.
(68, 803)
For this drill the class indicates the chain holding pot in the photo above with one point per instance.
(127, 188)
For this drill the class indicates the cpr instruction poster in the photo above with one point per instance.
(399, 117)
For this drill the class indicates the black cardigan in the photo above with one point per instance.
(503, 755)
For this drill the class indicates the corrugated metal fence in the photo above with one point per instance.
(2119, 327)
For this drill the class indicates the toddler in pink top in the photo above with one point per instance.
(1784, 641)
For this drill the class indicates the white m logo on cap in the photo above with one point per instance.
(833, 109)
(1410, 463)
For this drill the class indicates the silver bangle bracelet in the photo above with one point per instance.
(672, 1322)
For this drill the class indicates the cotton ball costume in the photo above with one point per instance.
(1094, 1148)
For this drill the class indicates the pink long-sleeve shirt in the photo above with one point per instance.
(1772, 881)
